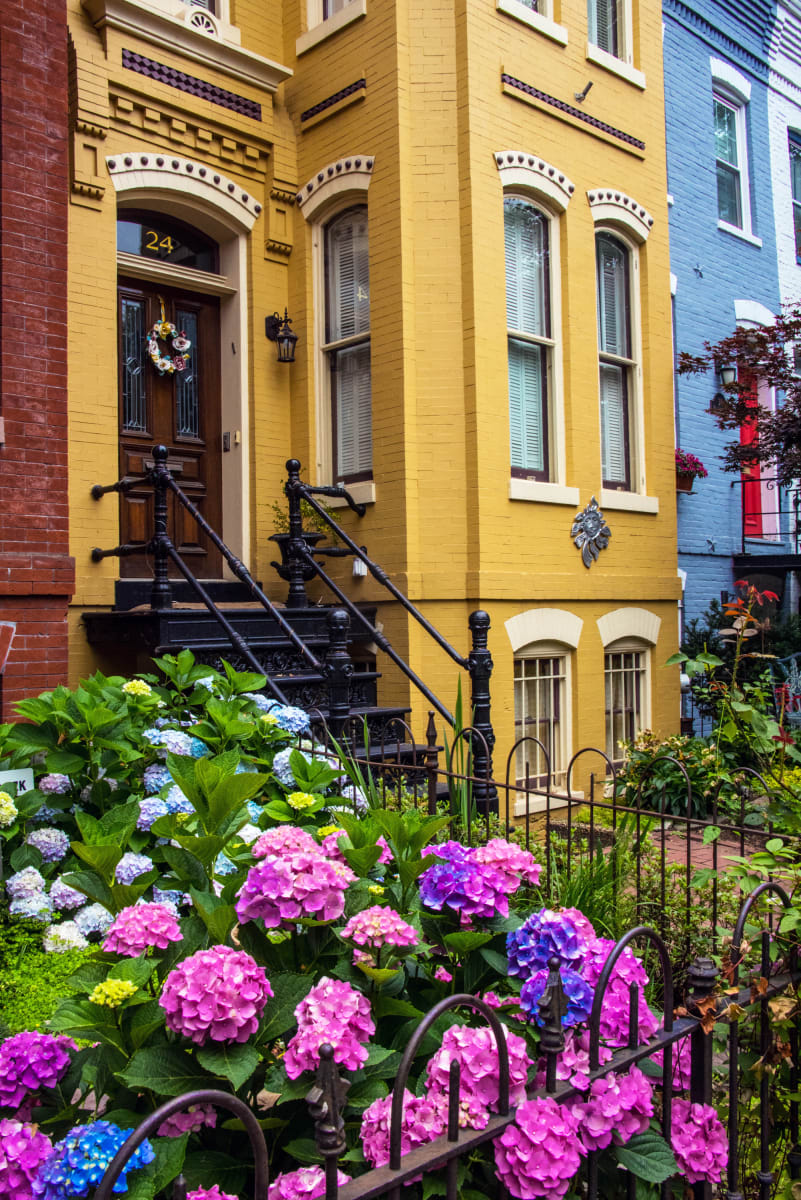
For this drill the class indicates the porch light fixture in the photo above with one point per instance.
(727, 372)
(277, 329)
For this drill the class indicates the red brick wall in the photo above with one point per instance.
(36, 572)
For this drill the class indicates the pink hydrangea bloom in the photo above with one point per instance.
(22, 1151)
(334, 1012)
(442, 976)
(617, 1106)
(681, 1064)
(513, 862)
(540, 1153)
(303, 884)
(304, 1184)
(699, 1142)
(215, 995)
(188, 1121)
(31, 1060)
(583, 924)
(477, 1054)
(283, 840)
(379, 926)
(140, 927)
(424, 1119)
(627, 970)
(212, 1193)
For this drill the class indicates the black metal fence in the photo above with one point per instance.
(712, 1003)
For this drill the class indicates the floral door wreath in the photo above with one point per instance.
(168, 364)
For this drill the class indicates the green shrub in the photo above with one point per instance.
(31, 981)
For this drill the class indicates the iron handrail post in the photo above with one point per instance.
(338, 671)
(479, 665)
(161, 590)
(296, 597)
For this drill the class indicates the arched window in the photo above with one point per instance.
(530, 340)
(616, 359)
(542, 711)
(627, 699)
(347, 343)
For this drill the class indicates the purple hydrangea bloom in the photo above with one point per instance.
(170, 897)
(699, 1142)
(79, 1162)
(62, 896)
(578, 994)
(627, 972)
(544, 935)
(46, 813)
(131, 866)
(30, 1061)
(306, 1183)
(150, 809)
(54, 784)
(52, 844)
(462, 883)
(35, 906)
(26, 882)
(156, 777)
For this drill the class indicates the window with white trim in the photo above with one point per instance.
(616, 361)
(794, 145)
(527, 234)
(347, 343)
(541, 679)
(627, 703)
(731, 161)
(606, 26)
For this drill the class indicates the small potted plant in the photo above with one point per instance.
(688, 469)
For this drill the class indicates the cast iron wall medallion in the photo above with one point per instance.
(590, 532)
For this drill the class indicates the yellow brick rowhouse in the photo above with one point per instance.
(462, 206)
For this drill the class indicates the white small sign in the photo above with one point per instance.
(23, 777)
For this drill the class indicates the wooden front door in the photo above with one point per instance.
(180, 411)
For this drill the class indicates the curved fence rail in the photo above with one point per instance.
(711, 1001)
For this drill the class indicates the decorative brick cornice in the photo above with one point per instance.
(716, 37)
(274, 247)
(330, 101)
(285, 195)
(607, 204)
(570, 110)
(190, 83)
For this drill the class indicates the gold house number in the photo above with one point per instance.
(362, 293)
(156, 243)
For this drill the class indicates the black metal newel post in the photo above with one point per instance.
(326, 1102)
(479, 664)
(296, 562)
(702, 978)
(432, 763)
(338, 670)
(161, 591)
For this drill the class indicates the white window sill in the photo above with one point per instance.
(362, 493)
(735, 231)
(616, 65)
(542, 493)
(670, 200)
(351, 12)
(531, 803)
(629, 501)
(544, 25)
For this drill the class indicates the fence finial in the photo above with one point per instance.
(552, 1007)
(326, 1102)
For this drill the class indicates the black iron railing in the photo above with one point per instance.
(771, 512)
(707, 1005)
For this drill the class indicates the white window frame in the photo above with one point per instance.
(540, 17)
(622, 62)
(627, 645)
(551, 343)
(631, 365)
(794, 151)
(320, 27)
(727, 100)
(540, 651)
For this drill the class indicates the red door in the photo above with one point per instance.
(179, 410)
(751, 476)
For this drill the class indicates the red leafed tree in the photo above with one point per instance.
(767, 355)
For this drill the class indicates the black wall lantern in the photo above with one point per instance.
(728, 373)
(278, 330)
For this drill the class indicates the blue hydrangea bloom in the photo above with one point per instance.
(169, 896)
(294, 720)
(544, 935)
(255, 810)
(94, 918)
(175, 741)
(578, 995)
(156, 777)
(246, 768)
(223, 865)
(150, 809)
(177, 802)
(282, 769)
(37, 906)
(198, 749)
(79, 1162)
(45, 813)
(263, 703)
(131, 866)
(152, 735)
